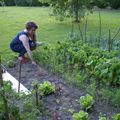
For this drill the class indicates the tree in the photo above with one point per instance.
(73, 8)
(2, 3)
(29, 2)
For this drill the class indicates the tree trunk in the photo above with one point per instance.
(76, 7)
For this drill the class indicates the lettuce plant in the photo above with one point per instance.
(86, 102)
(81, 115)
(46, 88)
(116, 116)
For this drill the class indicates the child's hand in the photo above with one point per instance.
(39, 43)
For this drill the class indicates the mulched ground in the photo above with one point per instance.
(57, 105)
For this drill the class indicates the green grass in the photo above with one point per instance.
(13, 19)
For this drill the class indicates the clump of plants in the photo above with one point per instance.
(86, 102)
(11, 63)
(102, 117)
(81, 115)
(116, 116)
(46, 88)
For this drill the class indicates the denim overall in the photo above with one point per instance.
(17, 46)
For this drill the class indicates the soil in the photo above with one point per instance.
(57, 105)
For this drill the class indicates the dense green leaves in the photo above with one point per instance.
(46, 88)
(86, 102)
(73, 8)
(81, 115)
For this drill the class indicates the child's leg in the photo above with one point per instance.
(20, 49)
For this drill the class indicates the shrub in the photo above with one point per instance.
(102, 117)
(115, 4)
(101, 3)
(116, 117)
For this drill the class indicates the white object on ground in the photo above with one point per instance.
(8, 77)
(39, 44)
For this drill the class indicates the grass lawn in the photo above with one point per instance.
(13, 19)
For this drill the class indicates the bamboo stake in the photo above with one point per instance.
(85, 30)
(80, 32)
(100, 31)
(36, 94)
(109, 41)
(19, 77)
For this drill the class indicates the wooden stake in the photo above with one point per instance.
(19, 77)
(109, 42)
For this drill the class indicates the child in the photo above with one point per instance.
(25, 42)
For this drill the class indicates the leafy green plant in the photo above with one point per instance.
(81, 115)
(86, 102)
(11, 63)
(116, 116)
(102, 117)
(46, 88)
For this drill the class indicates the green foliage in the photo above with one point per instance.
(91, 89)
(86, 102)
(73, 36)
(101, 3)
(2, 3)
(74, 56)
(116, 97)
(114, 4)
(102, 117)
(116, 116)
(104, 3)
(78, 78)
(110, 94)
(21, 2)
(64, 8)
(81, 115)
(46, 88)
(14, 111)
(10, 95)
(108, 70)
(10, 63)
(28, 104)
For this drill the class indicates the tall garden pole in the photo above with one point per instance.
(3, 93)
(100, 30)
(80, 32)
(85, 30)
(109, 42)
(19, 80)
(36, 95)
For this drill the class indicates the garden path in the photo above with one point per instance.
(57, 106)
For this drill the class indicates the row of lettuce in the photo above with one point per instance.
(22, 107)
(82, 63)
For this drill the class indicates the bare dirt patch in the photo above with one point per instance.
(57, 106)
